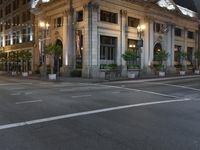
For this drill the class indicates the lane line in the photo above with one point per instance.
(43, 120)
(178, 86)
(143, 91)
(15, 94)
(17, 88)
(5, 84)
(27, 102)
(28, 93)
(117, 92)
(81, 96)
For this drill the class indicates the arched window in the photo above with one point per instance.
(157, 48)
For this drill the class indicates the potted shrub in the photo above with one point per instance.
(25, 56)
(183, 58)
(3, 59)
(54, 51)
(161, 57)
(130, 56)
(197, 65)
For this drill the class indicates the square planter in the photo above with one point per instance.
(25, 74)
(196, 72)
(14, 73)
(133, 73)
(182, 73)
(161, 74)
(52, 76)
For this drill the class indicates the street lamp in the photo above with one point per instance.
(44, 26)
(140, 33)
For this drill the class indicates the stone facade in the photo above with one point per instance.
(167, 30)
(16, 26)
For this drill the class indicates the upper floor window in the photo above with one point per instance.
(133, 22)
(79, 16)
(58, 22)
(190, 35)
(1, 13)
(109, 16)
(159, 27)
(178, 32)
(8, 9)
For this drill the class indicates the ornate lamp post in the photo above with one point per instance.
(140, 33)
(44, 26)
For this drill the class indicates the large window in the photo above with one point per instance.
(79, 16)
(133, 22)
(177, 50)
(190, 35)
(107, 49)
(108, 16)
(178, 32)
(58, 22)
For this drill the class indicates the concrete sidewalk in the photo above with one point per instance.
(86, 80)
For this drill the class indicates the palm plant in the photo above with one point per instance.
(54, 51)
(183, 56)
(130, 56)
(161, 56)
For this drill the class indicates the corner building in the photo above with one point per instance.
(16, 26)
(96, 32)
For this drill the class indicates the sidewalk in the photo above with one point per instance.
(86, 80)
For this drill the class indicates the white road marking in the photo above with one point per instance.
(28, 93)
(80, 96)
(7, 84)
(16, 88)
(67, 90)
(143, 91)
(116, 92)
(15, 94)
(178, 86)
(27, 102)
(37, 121)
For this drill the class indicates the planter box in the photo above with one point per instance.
(14, 73)
(52, 76)
(182, 73)
(196, 72)
(161, 74)
(25, 74)
(29, 72)
(133, 73)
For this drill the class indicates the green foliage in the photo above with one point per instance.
(161, 56)
(133, 66)
(182, 55)
(53, 50)
(108, 66)
(25, 55)
(76, 73)
(130, 55)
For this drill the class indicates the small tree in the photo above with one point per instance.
(183, 57)
(25, 56)
(130, 56)
(161, 57)
(54, 51)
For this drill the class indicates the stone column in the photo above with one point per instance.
(65, 40)
(90, 40)
(185, 39)
(170, 48)
(123, 41)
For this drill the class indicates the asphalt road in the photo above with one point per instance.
(129, 115)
